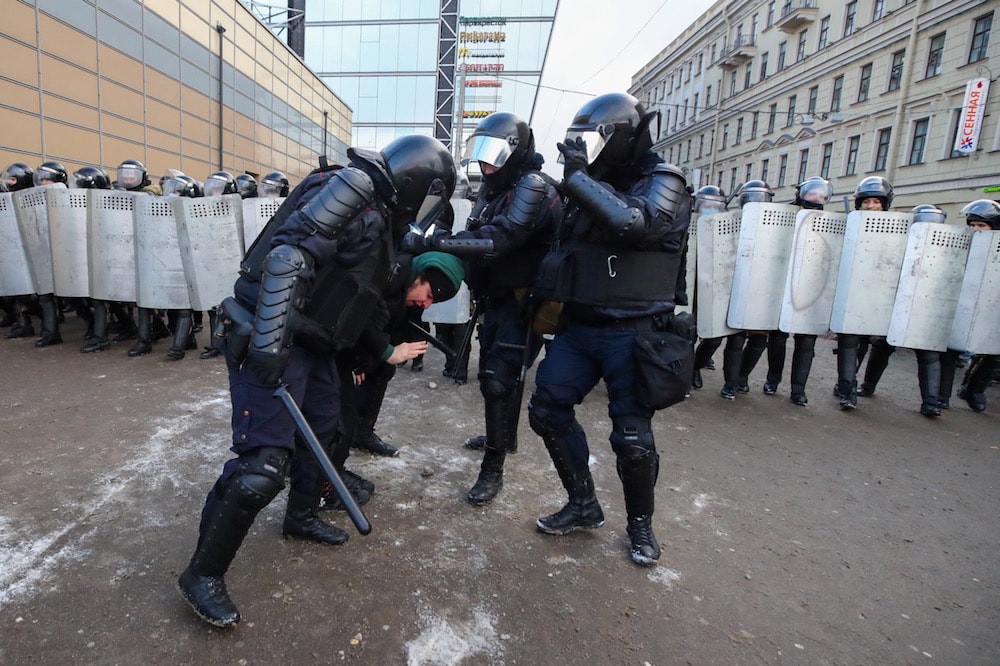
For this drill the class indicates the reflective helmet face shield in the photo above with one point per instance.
(215, 185)
(596, 140)
(269, 190)
(129, 177)
(492, 150)
(175, 187)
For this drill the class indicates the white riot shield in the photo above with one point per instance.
(929, 284)
(874, 245)
(256, 213)
(691, 267)
(67, 213)
(976, 326)
(455, 310)
(15, 276)
(762, 258)
(159, 269)
(719, 236)
(812, 272)
(111, 244)
(208, 233)
(33, 221)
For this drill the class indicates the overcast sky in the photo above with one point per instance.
(596, 48)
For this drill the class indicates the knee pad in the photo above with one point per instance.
(497, 378)
(259, 478)
(547, 418)
(632, 438)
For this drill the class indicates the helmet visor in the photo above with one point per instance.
(214, 186)
(817, 193)
(489, 149)
(129, 177)
(269, 190)
(595, 143)
(44, 176)
(174, 187)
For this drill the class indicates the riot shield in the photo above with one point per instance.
(458, 309)
(718, 236)
(67, 213)
(762, 257)
(812, 272)
(208, 233)
(929, 284)
(977, 314)
(691, 267)
(874, 245)
(15, 276)
(111, 244)
(159, 270)
(33, 221)
(256, 212)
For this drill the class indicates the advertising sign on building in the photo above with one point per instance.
(971, 121)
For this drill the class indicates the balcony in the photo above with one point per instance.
(796, 15)
(742, 50)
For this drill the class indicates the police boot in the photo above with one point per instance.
(367, 440)
(847, 376)
(212, 350)
(732, 358)
(977, 379)
(477, 443)
(638, 474)
(498, 437)
(99, 340)
(929, 378)
(776, 343)
(158, 330)
(23, 327)
(802, 358)
(360, 488)
(7, 317)
(124, 326)
(302, 522)
(948, 358)
(582, 512)
(417, 364)
(183, 336)
(756, 344)
(878, 361)
(50, 322)
(143, 341)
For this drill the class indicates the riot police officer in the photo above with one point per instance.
(18, 176)
(872, 193)
(219, 183)
(246, 186)
(273, 186)
(343, 232)
(614, 266)
(50, 173)
(131, 176)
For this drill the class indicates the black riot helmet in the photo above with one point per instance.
(873, 186)
(131, 176)
(616, 129)
(709, 199)
(928, 213)
(501, 140)
(220, 182)
(91, 178)
(181, 185)
(813, 193)
(419, 167)
(986, 211)
(755, 191)
(18, 176)
(50, 172)
(273, 185)
(246, 185)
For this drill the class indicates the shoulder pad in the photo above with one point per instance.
(348, 192)
(672, 169)
(530, 195)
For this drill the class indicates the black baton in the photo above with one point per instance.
(434, 342)
(463, 347)
(353, 510)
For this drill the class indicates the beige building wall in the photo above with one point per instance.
(96, 82)
(717, 107)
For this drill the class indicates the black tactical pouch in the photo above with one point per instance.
(234, 325)
(555, 276)
(664, 362)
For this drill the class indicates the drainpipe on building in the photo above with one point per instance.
(219, 28)
(718, 112)
(904, 92)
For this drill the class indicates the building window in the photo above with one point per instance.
(770, 14)
(896, 73)
(748, 173)
(753, 125)
(824, 33)
(753, 27)
(666, 122)
(739, 132)
(838, 90)
(772, 118)
(824, 167)
(732, 180)
(685, 118)
(803, 164)
(732, 84)
(790, 119)
(813, 99)
(701, 144)
(934, 54)
(764, 164)
(700, 63)
(865, 83)
(711, 142)
(955, 124)
(763, 66)
(801, 53)
(878, 10)
(749, 74)
(782, 170)
(850, 15)
(782, 49)
(853, 146)
(713, 53)
(882, 149)
(708, 97)
(690, 65)
(694, 107)
(725, 136)
(688, 158)
(919, 144)
(980, 38)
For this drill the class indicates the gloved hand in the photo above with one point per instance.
(415, 242)
(574, 154)
(267, 368)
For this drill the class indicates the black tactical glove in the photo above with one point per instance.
(415, 242)
(267, 368)
(574, 154)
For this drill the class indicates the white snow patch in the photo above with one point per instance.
(448, 643)
(664, 576)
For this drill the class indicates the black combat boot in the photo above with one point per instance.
(23, 327)
(977, 379)
(477, 443)
(360, 488)
(120, 322)
(302, 522)
(929, 378)
(582, 512)
(50, 322)
(847, 372)
(732, 359)
(802, 358)
(183, 336)
(143, 340)
(776, 343)
(638, 470)
(99, 340)
(490, 479)
(756, 344)
(878, 361)
(499, 433)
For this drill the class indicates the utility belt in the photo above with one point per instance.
(608, 276)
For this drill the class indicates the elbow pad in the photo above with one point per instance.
(529, 197)
(624, 222)
(349, 192)
(667, 190)
(283, 289)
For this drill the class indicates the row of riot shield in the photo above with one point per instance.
(114, 245)
(777, 267)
